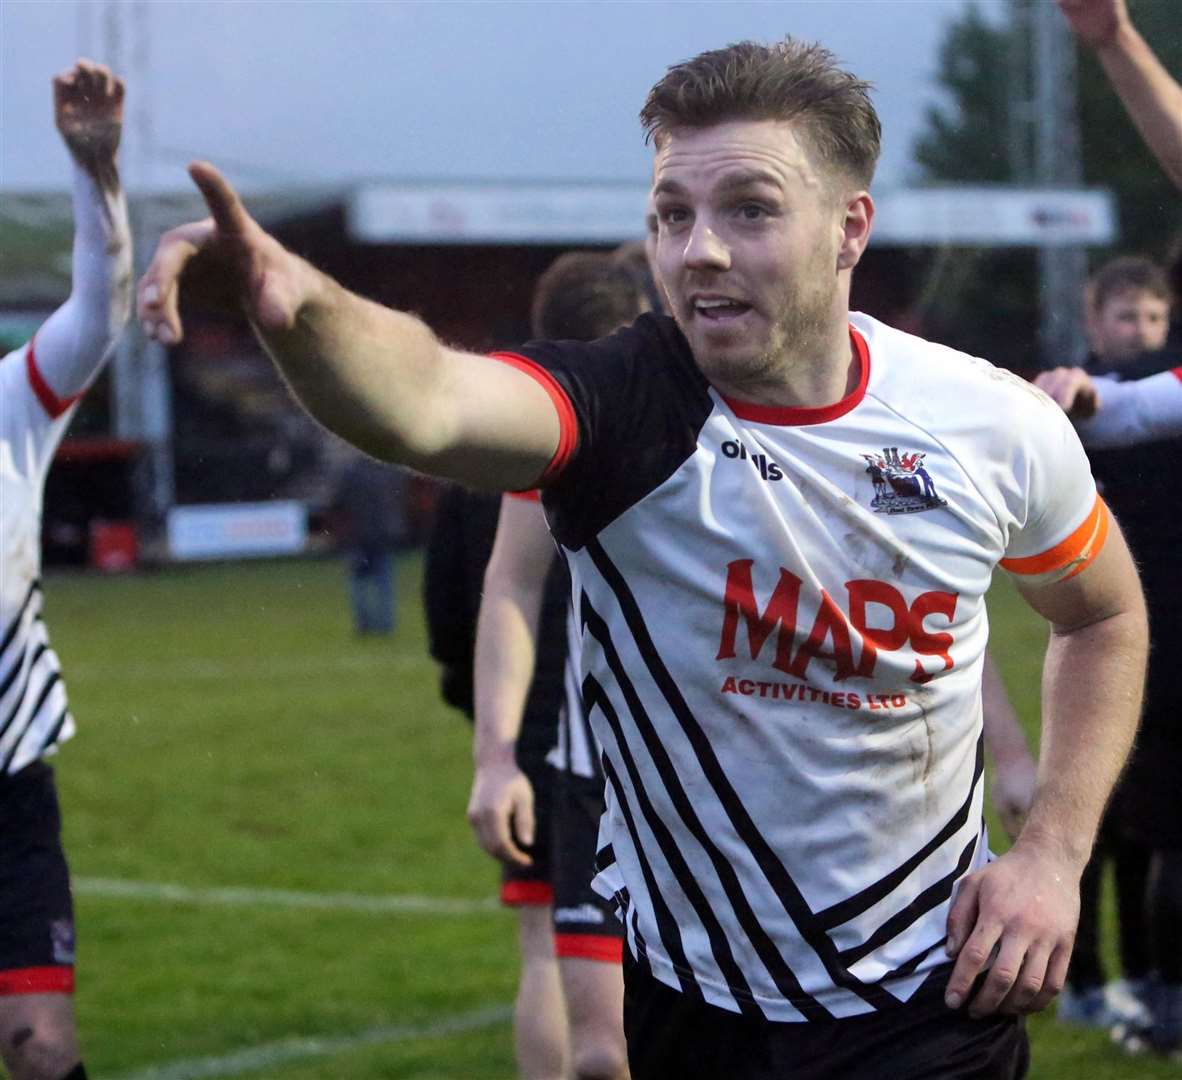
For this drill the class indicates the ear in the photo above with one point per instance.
(855, 230)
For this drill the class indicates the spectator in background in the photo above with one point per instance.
(1139, 407)
(370, 503)
(39, 386)
(1128, 319)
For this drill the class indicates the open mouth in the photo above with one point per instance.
(720, 309)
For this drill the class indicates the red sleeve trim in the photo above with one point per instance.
(1074, 553)
(533, 495)
(568, 434)
(799, 417)
(608, 950)
(50, 402)
(58, 979)
(1177, 373)
(527, 893)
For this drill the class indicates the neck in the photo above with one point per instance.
(818, 369)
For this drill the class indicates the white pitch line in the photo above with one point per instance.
(273, 668)
(248, 897)
(285, 1051)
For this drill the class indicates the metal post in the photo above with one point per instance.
(1062, 269)
(140, 377)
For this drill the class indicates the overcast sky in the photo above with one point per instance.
(283, 93)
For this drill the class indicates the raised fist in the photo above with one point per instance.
(88, 111)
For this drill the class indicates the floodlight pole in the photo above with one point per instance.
(140, 377)
(1062, 268)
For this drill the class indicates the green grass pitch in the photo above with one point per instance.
(235, 735)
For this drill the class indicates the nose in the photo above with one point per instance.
(705, 249)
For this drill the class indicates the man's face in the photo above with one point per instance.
(747, 248)
(1130, 322)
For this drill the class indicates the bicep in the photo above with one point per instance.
(1107, 586)
(503, 424)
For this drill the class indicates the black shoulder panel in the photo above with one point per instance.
(639, 402)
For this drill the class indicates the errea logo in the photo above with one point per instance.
(768, 470)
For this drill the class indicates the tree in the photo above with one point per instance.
(983, 132)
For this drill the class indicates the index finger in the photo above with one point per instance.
(157, 293)
(225, 207)
(971, 961)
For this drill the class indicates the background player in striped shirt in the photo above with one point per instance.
(793, 829)
(581, 297)
(39, 384)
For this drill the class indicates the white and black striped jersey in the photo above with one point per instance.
(577, 750)
(34, 716)
(782, 627)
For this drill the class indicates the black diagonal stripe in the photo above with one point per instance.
(638, 937)
(769, 863)
(773, 960)
(10, 633)
(720, 947)
(38, 652)
(604, 858)
(50, 683)
(17, 655)
(666, 924)
(54, 731)
(853, 906)
(589, 742)
(908, 966)
(934, 895)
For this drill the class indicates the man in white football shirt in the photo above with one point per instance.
(39, 385)
(781, 521)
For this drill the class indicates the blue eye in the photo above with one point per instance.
(751, 212)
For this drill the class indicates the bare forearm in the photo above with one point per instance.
(1092, 686)
(367, 373)
(505, 659)
(1151, 95)
(381, 380)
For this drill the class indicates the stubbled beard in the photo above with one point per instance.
(798, 337)
(803, 328)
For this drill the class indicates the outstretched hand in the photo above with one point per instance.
(1020, 912)
(1095, 22)
(88, 111)
(1072, 389)
(267, 282)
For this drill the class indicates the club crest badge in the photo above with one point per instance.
(901, 483)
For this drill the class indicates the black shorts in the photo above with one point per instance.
(585, 924)
(531, 886)
(672, 1035)
(36, 911)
